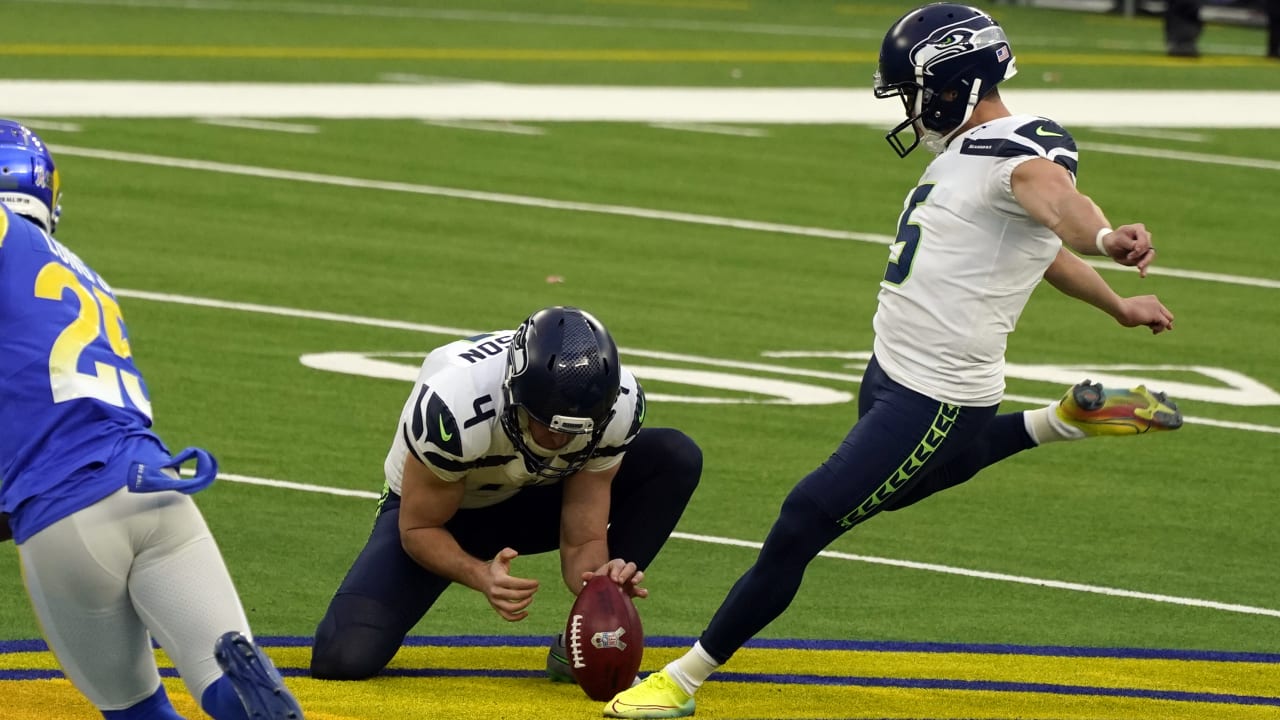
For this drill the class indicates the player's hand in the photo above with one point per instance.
(6, 533)
(1130, 245)
(626, 574)
(1145, 310)
(507, 594)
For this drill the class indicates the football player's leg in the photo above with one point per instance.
(1006, 435)
(529, 522)
(898, 439)
(76, 573)
(183, 592)
(384, 594)
(650, 492)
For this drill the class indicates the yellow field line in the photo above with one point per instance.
(231, 52)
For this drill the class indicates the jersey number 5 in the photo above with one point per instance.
(98, 310)
(903, 250)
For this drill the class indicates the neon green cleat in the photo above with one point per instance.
(1094, 410)
(657, 697)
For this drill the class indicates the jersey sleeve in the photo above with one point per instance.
(1040, 138)
(628, 417)
(435, 438)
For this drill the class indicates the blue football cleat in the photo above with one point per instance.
(255, 679)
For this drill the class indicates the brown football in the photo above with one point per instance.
(604, 639)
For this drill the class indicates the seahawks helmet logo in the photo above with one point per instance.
(953, 41)
(518, 360)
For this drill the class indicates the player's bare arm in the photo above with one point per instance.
(1046, 191)
(426, 504)
(1075, 278)
(584, 521)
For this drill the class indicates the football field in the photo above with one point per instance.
(282, 276)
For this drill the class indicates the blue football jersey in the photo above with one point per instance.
(74, 411)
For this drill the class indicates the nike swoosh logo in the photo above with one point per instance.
(1046, 133)
(445, 435)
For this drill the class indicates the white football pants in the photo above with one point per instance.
(106, 579)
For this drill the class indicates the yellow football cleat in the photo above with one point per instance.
(1094, 410)
(658, 696)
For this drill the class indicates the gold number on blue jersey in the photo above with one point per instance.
(903, 250)
(105, 383)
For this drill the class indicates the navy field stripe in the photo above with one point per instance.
(670, 641)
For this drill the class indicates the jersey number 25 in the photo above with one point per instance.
(98, 311)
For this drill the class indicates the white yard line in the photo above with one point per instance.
(1192, 137)
(710, 129)
(53, 125)
(486, 126)
(871, 559)
(435, 190)
(678, 357)
(1184, 156)
(550, 204)
(416, 79)
(267, 125)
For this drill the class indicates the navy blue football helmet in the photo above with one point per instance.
(562, 372)
(941, 59)
(29, 183)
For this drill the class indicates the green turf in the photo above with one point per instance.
(815, 44)
(1185, 515)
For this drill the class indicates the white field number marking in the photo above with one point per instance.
(1230, 388)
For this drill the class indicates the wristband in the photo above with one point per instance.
(1102, 249)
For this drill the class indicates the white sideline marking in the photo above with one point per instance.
(513, 102)
(484, 126)
(295, 128)
(622, 210)
(713, 129)
(872, 559)
(679, 357)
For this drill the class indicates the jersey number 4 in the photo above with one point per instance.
(98, 312)
(903, 250)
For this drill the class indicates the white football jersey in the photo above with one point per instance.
(965, 261)
(451, 423)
